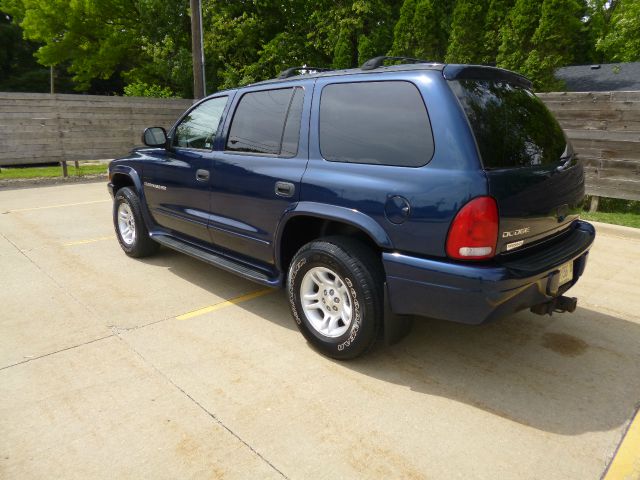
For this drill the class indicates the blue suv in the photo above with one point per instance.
(372, 195)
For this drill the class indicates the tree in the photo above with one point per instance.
(404, 40)
(106, 39)
(553, 42)
(422, 30)
(467, 28)
(517, 32)
(251, 41)
(496, 14)
(621, 42)
(18, 69)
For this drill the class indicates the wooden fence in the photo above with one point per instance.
(36, 128)
(604, 128)
(41, 128)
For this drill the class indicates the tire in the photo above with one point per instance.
(334, 287)
(131, 230)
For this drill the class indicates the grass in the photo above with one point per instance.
(617, 218)
(49, 172)
(615, 211)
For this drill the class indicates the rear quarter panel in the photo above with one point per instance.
(435, 191)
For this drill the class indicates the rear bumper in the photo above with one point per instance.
(477, 293)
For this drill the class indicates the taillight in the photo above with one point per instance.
(474, 232)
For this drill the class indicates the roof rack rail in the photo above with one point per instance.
(376, 62)
(290, 72)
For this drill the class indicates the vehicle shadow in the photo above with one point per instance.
(567, 374)
(214, 280)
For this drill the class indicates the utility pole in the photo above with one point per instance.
(197, 52)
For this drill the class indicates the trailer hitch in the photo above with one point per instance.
(558, 305)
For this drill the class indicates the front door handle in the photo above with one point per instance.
(285, 189)
(202, 175)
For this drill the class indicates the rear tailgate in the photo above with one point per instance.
(532, 171)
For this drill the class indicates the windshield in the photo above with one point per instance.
(512, 126)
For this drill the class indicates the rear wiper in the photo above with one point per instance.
(566, 161)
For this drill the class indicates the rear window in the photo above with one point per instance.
(512, 126)
(267, 122)
(384, 123)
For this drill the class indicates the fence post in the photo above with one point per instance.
(65, 172)
(593, 206)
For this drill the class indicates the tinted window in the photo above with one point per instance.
(292, 127)
(198, 128)
(382, 123)
(512, 126)
(267, 122)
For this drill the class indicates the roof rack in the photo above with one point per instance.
(290, 72)
(376, 62)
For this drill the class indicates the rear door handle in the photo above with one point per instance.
(285, 189)
(202, 175)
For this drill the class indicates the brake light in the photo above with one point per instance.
(474, 232)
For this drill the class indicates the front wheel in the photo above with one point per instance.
(335, 295)
(131, 231)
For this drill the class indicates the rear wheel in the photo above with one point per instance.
(335, 295)
(131, 230)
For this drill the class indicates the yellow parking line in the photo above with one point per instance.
(626, 462)
(90, 240)
(227, 303)
(56, 206)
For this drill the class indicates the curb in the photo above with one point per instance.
(616, 230)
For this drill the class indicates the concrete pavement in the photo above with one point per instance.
(103, 376)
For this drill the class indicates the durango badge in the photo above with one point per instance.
(515, 233)
(155, 185)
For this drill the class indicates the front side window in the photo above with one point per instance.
(267, 122)
(383, 123)
(198, 128)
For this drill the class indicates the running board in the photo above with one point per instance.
(217, 260)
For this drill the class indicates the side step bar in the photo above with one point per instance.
(217, 260)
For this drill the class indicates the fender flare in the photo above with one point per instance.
(132, 173)
(323, 211)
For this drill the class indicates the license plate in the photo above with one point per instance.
(566, 273)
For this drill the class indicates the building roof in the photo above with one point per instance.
(601, 78)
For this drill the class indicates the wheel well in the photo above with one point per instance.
(301, 230)
(120, 180)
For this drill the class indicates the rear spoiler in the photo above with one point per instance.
(481, 72)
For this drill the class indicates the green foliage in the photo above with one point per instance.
(142, 89)
(467, 28)
(146, 44)
(98, 39)
(20, 72)
(553, 42)
(517, 32)
(621, 42)
(422, 30)
(404, 40)
(496, 14)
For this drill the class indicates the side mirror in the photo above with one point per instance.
(155, 137)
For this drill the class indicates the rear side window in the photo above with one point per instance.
(512, 126)
(384, 123)
(267, 122)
